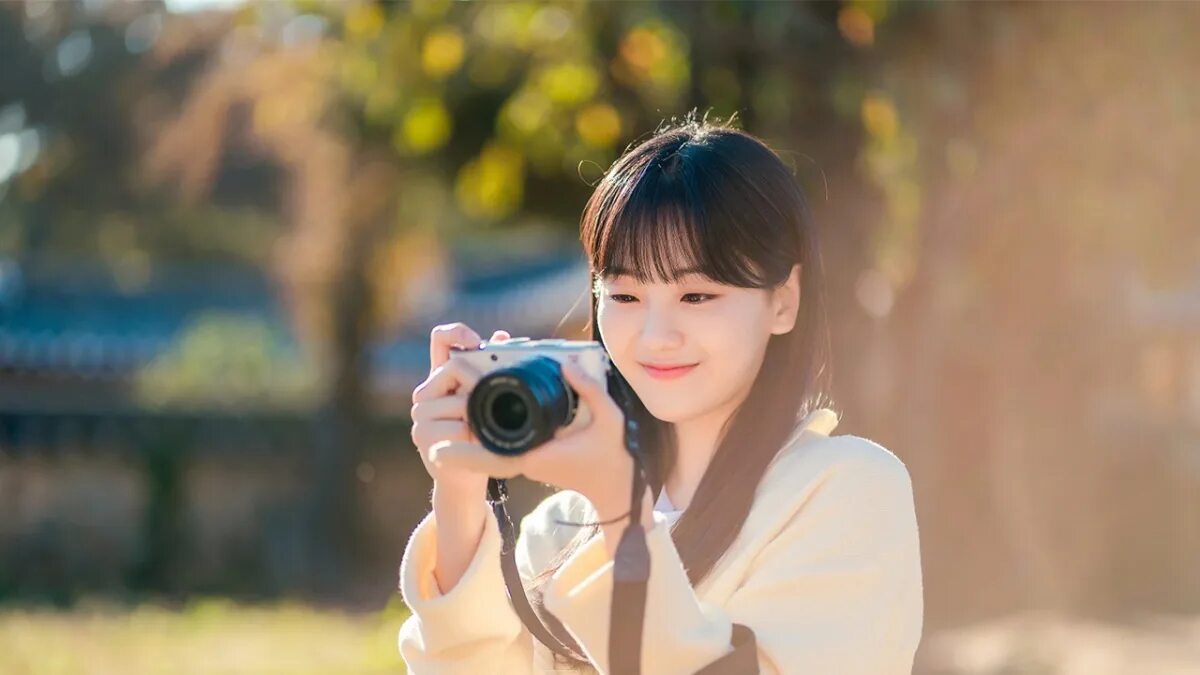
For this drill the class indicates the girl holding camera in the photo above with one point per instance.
(707, 296)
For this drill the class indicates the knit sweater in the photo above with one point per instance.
(826, 571)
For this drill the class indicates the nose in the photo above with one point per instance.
(659, 332)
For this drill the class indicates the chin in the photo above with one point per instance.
(664, 401)
(668, 411)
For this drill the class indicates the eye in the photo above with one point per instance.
(688, 298)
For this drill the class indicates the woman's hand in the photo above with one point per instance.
(439, 410)
(590, 458)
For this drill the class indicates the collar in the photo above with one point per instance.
(820, 421)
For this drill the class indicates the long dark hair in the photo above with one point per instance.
(707, 195)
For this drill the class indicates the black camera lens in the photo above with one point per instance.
(514, 409)
(509, 411)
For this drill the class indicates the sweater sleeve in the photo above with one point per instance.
(837, 590)
(472, 628)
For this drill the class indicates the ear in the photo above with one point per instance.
(785, 303)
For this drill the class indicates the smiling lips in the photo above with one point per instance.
(668, 372)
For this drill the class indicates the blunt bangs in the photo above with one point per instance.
(670, 217)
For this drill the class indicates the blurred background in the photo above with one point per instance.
(227, 227)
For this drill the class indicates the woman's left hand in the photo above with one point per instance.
(590, 459)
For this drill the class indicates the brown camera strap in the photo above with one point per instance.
(742, 660)
(631, 571)
(498, 496)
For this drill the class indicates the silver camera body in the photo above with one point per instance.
(521, 400)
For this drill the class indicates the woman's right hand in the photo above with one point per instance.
(439, 411)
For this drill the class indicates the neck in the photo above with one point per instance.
(696, 443)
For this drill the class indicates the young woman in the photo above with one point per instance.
(708, 298)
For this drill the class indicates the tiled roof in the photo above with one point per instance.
(77, 320)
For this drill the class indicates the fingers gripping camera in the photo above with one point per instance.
(522, 399)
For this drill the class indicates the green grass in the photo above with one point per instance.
(212, 637)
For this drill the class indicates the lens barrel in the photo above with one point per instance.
(514, 409)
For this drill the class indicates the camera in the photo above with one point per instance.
(522, 398)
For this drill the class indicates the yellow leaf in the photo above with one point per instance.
(425, 127)
(569, 83)
(491, 186)
(442, 53)
(364, 21)
(599, 125)
(879, 116)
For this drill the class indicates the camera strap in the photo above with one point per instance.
(498, 496)
(742, 660)
(631, 571)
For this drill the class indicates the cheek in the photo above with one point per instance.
(604, 322)
(734, 343)
(730, 345)
(615, 329)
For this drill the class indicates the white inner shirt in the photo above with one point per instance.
(665, 506)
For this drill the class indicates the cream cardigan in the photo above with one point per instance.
(826, 571)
